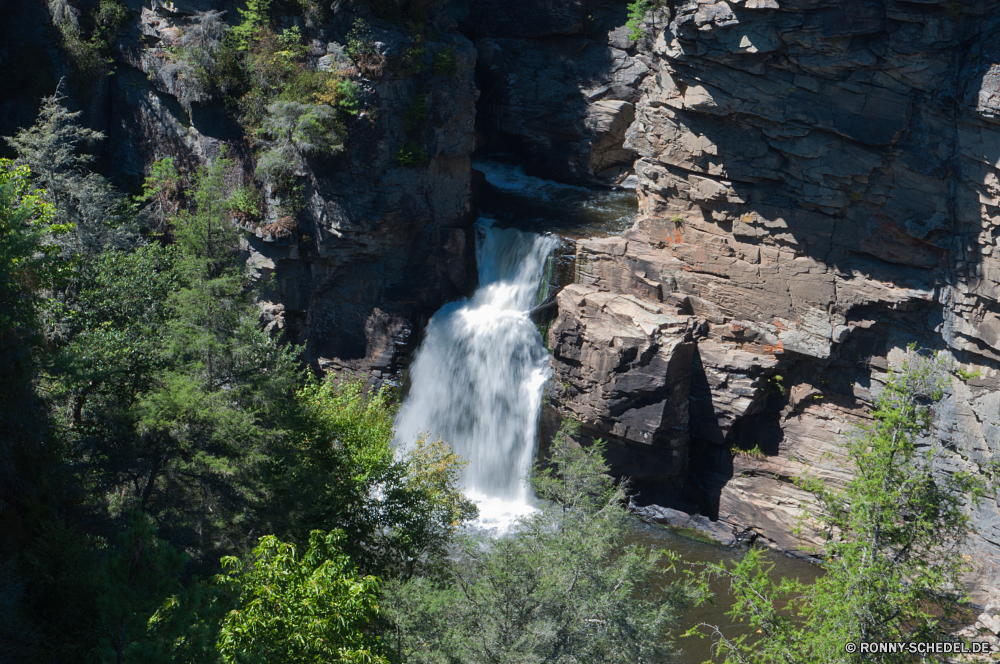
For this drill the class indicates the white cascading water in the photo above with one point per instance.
(478, 376)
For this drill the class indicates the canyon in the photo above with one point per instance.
(818, 191)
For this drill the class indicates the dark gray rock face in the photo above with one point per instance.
(524, 18)
(624, 364)
(560, 96)
(818, 188)
(378, 246)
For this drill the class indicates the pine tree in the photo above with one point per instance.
(53, 149)
(893, 565)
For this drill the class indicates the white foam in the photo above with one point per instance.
(513, 179)
(478, 376)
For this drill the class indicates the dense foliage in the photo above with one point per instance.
(566, 588)
(151, 428)
(892, 561)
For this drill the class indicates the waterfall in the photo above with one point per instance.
(478, 376)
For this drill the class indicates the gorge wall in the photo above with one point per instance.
(818, 189)
(376, 245)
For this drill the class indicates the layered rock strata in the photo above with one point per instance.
(818, 189)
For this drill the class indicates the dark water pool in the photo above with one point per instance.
(693, 650)
(533, 204)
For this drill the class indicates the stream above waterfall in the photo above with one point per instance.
(478, 377)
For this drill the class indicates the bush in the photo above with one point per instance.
(563, 588)
(445, 63)
(296, 131)
(255, 17)
(637, 11)
(340, 94)
(245, 202)
(414, 59)
(290, 41)
(411, 155)
(197, 62)
(292, 607)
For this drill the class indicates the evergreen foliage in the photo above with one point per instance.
(892, 566)
(28, 263)
(53, 149)
(563, 588)
(637, 11)
(297, 131)
(255, 17)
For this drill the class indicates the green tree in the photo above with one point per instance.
(255, 17)
(28, 263)
(53, 149)
(98, 599)
(168, 388)
(637, 11)
(893, 565)
(565, 587)
(298, 609)
(208, 416)
(339, 470)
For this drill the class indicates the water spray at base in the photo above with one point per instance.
(478, 376)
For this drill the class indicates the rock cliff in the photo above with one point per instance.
(818, 189)
(375, 246)
(559, 81)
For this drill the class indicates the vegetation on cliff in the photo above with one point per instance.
(178, 487)
(892, 561)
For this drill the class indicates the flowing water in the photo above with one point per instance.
(478, 376)
(538, 205)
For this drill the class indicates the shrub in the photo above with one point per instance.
(85, 55)
(196, 63)
(245, 202)
(415, 115)
(414, 59)
(309, 607)
(290, 41)
(411, 155)
(445, 63)
(255, 17)
(359, 40)
(313, 11)
(303, 85)
(637, 11)
(296, 131)
(110, 16)
(340, 94)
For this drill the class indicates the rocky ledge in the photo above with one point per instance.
(818, 189)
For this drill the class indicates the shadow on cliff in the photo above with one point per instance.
(541, 67)
(846, 378)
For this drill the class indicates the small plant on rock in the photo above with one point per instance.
(411, 155)
(445, 63)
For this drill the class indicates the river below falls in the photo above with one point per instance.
(478, 377)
